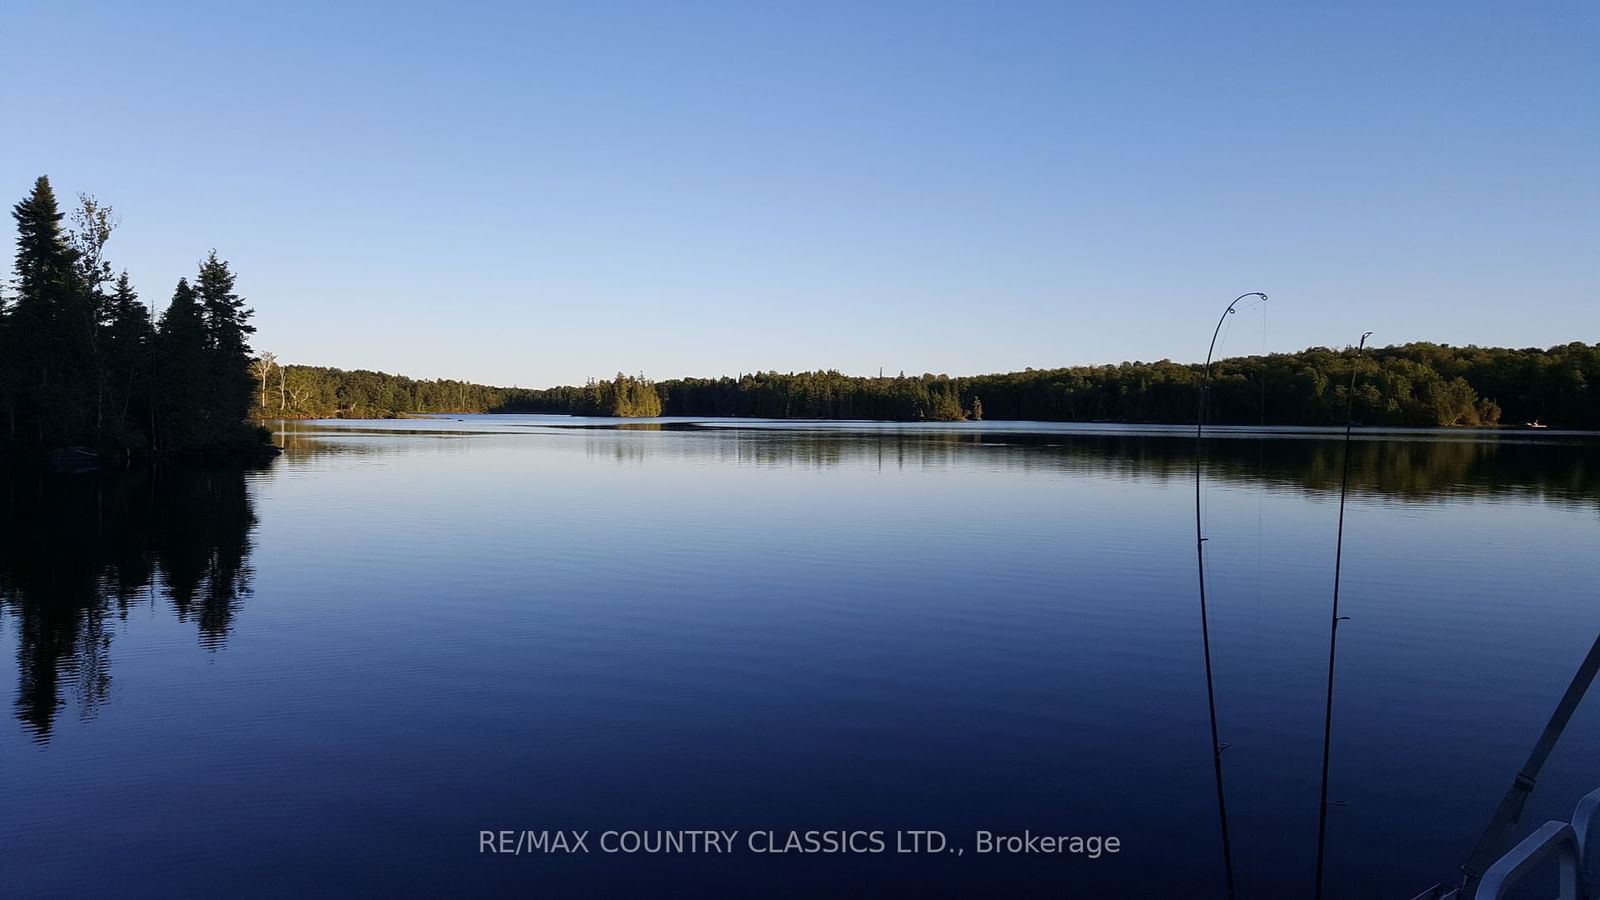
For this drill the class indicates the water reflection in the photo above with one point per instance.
(78, 550)
(959, 627)
(1416, 470)
(1415, 465)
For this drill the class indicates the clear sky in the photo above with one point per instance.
(532, 193)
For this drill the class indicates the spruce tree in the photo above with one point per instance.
(51, 327)
(945, 404)
(227, 347)
(181, 409)
(128, 344)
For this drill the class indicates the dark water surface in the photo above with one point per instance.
(329, 675)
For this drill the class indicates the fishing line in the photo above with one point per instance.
(1205, 619)
(1333, 627)
(1261, 466)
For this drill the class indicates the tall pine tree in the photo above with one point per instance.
(227, 350)
(128, 345)
(50, 358)
(181, 418)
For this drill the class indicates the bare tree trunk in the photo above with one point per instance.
(99, 364)
(261, 367)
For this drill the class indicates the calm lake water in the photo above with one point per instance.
(327, 676)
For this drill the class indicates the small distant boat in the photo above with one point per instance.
(1535, 424)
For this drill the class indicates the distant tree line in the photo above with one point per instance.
(1418, 385)
(1414, 385)
(319, 392)
(83, 363)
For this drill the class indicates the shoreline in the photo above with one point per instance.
(1155, 423)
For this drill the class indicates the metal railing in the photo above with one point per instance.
(1574, 846)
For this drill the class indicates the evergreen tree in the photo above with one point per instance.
(128, 344)
(81, 364)
(626, 397)
(181, 410)
(227, 349)
(946, 404)
(50, 358)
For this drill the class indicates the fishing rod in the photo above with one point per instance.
(1205, 620)
(1333, 628)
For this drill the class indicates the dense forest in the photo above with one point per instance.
(318, 392)
(84, 364)
(1416, 385)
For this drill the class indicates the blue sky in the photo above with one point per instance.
(532, 193)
